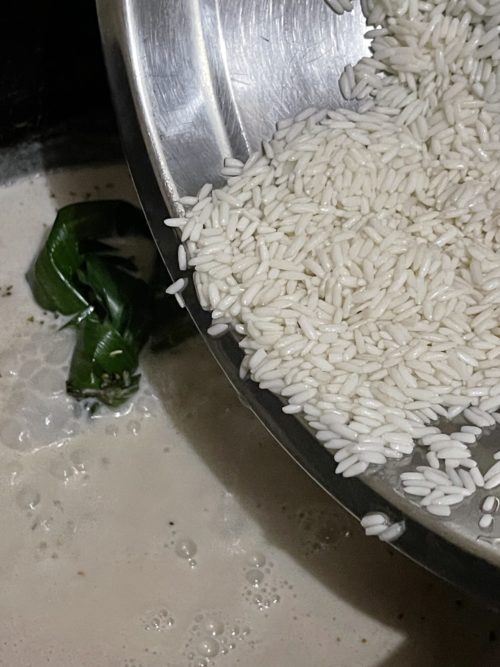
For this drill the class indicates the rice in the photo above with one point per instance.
(373, 519)
(376, 523)
(182, 258)
(490, 504)
(375, 530)
(177, 286)
(393, 532)
(357, 255)
(485, 521)
(217, 330)
(180, 300)
(439, 510)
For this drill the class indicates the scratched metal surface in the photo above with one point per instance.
(197, 80)
(214, 76)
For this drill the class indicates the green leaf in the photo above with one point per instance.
(54, 275)
(80, 274)
(126, 300)
(100, 366)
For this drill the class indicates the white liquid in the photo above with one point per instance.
(180, 533)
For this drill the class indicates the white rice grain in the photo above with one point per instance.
(358, 255)
(177, 286)
(485, 521)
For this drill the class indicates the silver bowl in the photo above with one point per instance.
(195, 81)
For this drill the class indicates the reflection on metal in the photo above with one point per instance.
(195, 81)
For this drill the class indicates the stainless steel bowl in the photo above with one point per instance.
(195, 81)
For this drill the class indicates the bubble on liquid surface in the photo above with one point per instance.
(77, 458)
(44, 414)
(13, 471)
(257, 559)
(18, 399)
(186, 548)
(15, 435)
(134, 427)
(145, 406)
(28, 497)
(208, 647)
(45, 423)
(36, 341)
(9, 363)
(158, 621)
(60, 470)
(112, 430)
(132, 662)
(40, 422)
(60, 351)
(49, 381)
(214, 627)
(28, 368)
(66, 533)
(255, 577)
(214, 634)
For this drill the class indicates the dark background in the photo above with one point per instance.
(53, 85)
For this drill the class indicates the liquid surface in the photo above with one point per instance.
(178, 533)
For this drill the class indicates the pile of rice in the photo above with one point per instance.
(358, 257)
